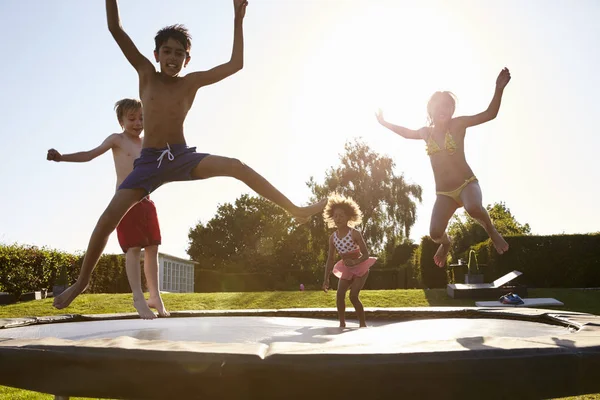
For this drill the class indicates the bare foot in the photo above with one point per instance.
(304, 213)
(342, 324)
(499, 243)
(441, 255)
(142, 308)
(363, 325)
(158, 305)
(64, 299)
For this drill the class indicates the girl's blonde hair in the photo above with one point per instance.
(349, 207)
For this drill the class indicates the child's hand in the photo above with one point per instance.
(503, 78)
(326, 285)
(240, 8)
(379, 115)
(53, 155)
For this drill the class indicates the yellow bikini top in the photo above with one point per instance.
(433, 148)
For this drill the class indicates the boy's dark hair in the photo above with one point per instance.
(177, 32)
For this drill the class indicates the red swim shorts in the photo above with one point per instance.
(139, 227)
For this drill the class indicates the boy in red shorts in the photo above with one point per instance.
(139, 228)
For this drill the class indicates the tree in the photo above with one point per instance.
(387, 201)
(251, 234)
(465, 231)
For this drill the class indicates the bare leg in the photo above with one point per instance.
(340, 300)
(472, 199)
(443, 210)
(355, 288)
(213, 166)
(121, 202)
(151, 271)
(132, 267)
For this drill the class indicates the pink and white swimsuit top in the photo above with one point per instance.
(345, 244)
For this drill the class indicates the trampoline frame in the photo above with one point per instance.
(540, 367)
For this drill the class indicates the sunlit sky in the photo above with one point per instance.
(315, 72)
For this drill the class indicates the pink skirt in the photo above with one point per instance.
(342, 271)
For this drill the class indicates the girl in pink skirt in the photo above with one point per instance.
(353, 268)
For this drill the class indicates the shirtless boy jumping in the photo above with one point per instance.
(165, 157)
(139, 229)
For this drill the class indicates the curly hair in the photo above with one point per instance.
(349, 207)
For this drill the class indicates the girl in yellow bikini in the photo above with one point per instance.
(456, 185)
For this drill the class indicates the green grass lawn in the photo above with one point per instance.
(574, 299)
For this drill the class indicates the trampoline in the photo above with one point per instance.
(301, 353)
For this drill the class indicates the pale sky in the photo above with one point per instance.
(315, 72)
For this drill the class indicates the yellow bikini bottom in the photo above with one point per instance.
(455, 194)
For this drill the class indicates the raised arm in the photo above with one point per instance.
(329, 265)
(236, 63)
(133, 55)
(404, 132)
(493, 108)
(83, 156)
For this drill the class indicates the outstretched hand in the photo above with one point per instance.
(379, 115)
(503, 78)
(240, 8)
(53, 155)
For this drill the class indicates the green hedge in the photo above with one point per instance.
(401, 255)
(427, 273)
(110, 275)
(28, 268)
(214, 281)
(25, 268)
(546, 261)
(559, 261)
(387, 278)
